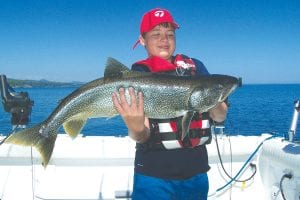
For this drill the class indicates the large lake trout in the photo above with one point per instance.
(165, 96)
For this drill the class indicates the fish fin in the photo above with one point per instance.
(33, 137)
(114, 68)
(74, 127)
(186, 121)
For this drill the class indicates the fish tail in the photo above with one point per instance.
(32, 137)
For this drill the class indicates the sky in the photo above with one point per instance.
(70, 40)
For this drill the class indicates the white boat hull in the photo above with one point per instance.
(101, 167)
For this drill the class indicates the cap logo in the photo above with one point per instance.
(159, 13)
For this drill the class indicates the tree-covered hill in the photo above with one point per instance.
(40, 83)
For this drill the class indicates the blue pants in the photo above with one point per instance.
(147, 187)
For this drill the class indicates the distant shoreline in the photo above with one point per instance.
(16, 83)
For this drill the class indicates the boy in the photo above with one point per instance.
(165, 166)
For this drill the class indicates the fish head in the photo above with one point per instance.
(211, 90)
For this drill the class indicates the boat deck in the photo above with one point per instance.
(101, 167)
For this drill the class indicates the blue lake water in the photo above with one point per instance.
(254, 109)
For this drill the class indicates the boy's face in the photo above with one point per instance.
(160, 41)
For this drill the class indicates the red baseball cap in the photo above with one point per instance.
(154, 17)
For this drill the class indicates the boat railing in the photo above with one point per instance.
(292, 132)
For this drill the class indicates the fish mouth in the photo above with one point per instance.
(225, 94)
(231, 86)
